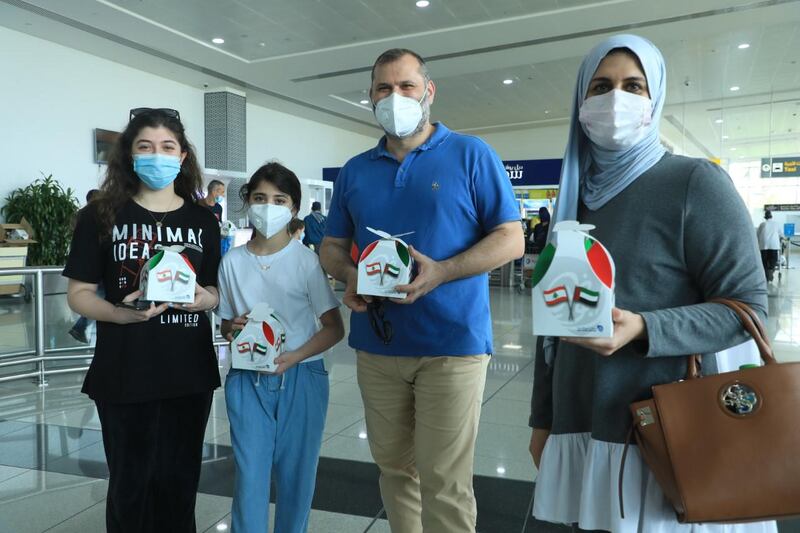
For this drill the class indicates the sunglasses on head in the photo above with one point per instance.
(381, 326)
(138, 111)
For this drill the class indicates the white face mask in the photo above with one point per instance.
(617, 119)
(400, 115)
(269, 219)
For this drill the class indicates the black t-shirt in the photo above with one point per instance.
(172, 354)
(216, 209)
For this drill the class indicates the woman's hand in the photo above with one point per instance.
(538, 440)
(285, 361)
(123, 315)
(204, 299)
(627, 327)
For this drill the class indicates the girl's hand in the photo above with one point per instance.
(538, 440)
(204, 300)
(237, 324)
(285, 361)
(627, 327)
(124, 315)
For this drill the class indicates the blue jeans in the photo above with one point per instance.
(276, 432)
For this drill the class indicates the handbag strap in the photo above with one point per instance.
(751, 323)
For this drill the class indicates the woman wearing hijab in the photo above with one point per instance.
(680, 235)
(540, 230)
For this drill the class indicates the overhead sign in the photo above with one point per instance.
(527, 172)
(782, 207)
(522, 173)
(780, 167)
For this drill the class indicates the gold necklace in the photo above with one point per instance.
(160, 222)
(261, 265)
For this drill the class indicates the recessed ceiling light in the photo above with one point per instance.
(546, 111)
(733, 149)
(423, 3)
(262, 44)
(512, 346)
(222, 527)
(719, 121)
(735, 88)
(508, 81)
(364, 102)
(725, 137)
(744, 45)
(501, 470)
(218, 40)
(362, 435)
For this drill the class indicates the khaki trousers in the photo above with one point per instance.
(422, 420)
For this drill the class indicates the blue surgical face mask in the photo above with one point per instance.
(219, 199)
(302, 236)
(156, 170)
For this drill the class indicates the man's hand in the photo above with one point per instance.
(130, 316)
(627, 327)
(356, 302)
(430, 274)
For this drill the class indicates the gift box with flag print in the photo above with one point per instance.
(168, 277)
(262, 339)
(573, 285)
(383, 265)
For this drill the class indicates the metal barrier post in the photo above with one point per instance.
(39, 313)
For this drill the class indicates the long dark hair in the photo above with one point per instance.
(122, 183)
(281, 177)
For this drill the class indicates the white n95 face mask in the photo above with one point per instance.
(399, 115)
(617, 119)
(269, 219)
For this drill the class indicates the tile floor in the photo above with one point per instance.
(52, 468)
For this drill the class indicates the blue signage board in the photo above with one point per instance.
(522, 173)
(788, 229)
(533, 172)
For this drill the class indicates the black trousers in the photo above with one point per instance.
(769, 258)
(154, 451)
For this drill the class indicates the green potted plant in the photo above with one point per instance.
(50, 210)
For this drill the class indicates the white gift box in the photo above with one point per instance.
(261, 340)
(168, 277)
(383, 265)
(573, 285)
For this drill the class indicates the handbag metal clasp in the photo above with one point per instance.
(645, 415)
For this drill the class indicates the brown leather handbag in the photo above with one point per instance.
(726, 447)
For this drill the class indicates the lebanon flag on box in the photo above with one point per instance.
(383, 265)
(262, 339)
(573, 285)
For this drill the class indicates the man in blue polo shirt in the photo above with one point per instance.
(422, 360)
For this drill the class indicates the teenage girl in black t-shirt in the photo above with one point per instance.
(154, 370)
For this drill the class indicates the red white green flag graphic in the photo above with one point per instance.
(556, 295)
(373, 268)
(260, 348)
(164, 275)
(243, 347)
(586, 296)
(182, 276)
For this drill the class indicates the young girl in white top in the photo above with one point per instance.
(277, 418)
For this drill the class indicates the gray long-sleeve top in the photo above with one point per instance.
(679, 235)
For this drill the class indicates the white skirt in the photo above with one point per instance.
(578, 482)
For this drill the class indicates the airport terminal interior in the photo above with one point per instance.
(288, 81)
